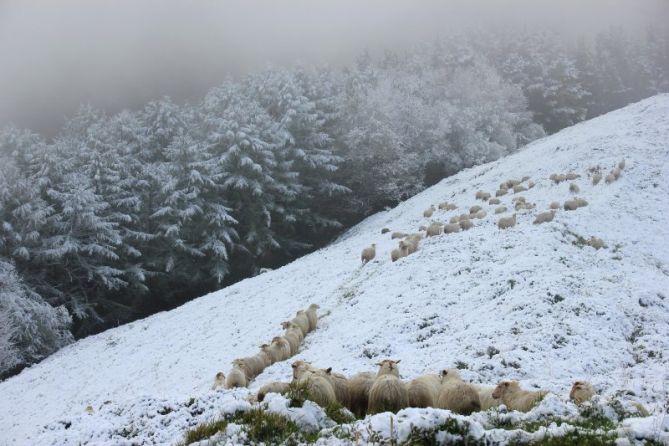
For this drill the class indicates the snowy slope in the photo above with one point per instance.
(527, 303)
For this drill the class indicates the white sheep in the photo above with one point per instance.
(273, 387)
(616, 172)
(283, 345)
(621, 164)
(456, 395)
(572, 205)
(518, 199)
(368, 254)
(273, 351)
(500, 209)
(451, 228)
(299, 368)
(398, 253)
(519, 188)
(302, 321)
(236, 378)
(396, 235)
(312, 315)
(507, 222)
(474, 209)
(359, 386)
(466, 224)
(409, 245)
(596, 178)
(340, 385)
(443, 206)
(558, 178)
(428, 212)
(480, 195)
(554, 205)
(525, 178)
(434, 229)
(454, 219)
(512, 183)
(530, 184)
(494, 201)
(515, 398)
(581, 391)
(523, 205)
(596, 242)
(219, 381)
(424, 391)
(573, 188)
(480, 214)
(485, 396)
(387, 393)
(294, 337)
(572, 176)
(544, 217)
(422, 228)
(501, 192)
(291, 325)
(610, 178)
(320, 390)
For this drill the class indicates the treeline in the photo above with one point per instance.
(121, 216)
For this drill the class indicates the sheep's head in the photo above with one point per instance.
(388, 367)
(299, 368)
(220, 376)
(240, 362)
(581, 391)
(504, 387)
(314, 307)
(300, 312)
(286, 324)
(449, 374)
(264, 348)
(276, 340)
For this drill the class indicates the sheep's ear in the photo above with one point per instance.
(444, 372)
(506, 383)
(379, 364)
(293, 365)
(398, 361)
(328, 370)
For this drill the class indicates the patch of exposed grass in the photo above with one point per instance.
(203, 431)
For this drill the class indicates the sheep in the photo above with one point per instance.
(265, 358)
(396, 235)
(299, 368)
(474, 209)
(466, 224)
(500, 209)
(292, 326)
(302, 321)
(485, 396)
(544, 217)
(522, 205)
(554, 205)
(340, 385)
(572, 205)
(454, 219)
(283, 345)
(422, 228)
(514, 398)
(312, 316)
(451, 228)
(387, 394)
(616, 172)
(557, 178)
(573, 188)
(596, 242)
(273, 351)
(456, 395)
(388, 367)
(525, 178)
(519, 188)
(249, 366)
(494, 201)
(319, 389)
(398, 253)
(424, 391)
(621, 164)
(428, 212)
(359, 386)
(410, 245)
(294, 337)
(596, 178)
(368, 253)
(219, 381)
(273, 387)
(480, 195)
(581, 391)
(443, 206)
(501, 192)
(464, 217)
(480, 214)
(572, 176)
(518, 199)
(507, 222)
(434, 229)
(512, 183)
(236, 378)
(385, 230)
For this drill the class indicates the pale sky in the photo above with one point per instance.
(114, 54)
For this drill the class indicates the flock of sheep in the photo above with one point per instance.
(369, 393)
(244, 370)
(408, 243)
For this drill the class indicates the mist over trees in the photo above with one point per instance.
(122, 216)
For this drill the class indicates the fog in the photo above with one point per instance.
(55, 55)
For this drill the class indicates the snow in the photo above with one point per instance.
(526, 303)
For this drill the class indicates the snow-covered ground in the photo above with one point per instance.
(529, 303)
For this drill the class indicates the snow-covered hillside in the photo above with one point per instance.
(530, 303)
